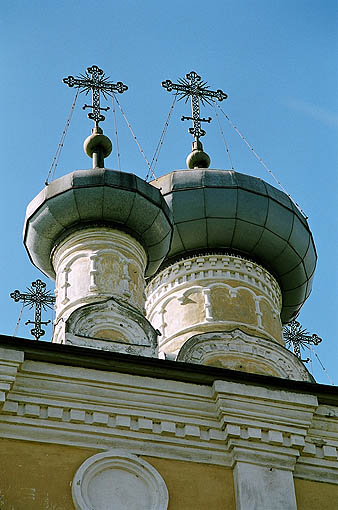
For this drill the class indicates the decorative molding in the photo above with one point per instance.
(10, 363)
(95, 409)
(221, 425)
(292, 411)
(319, 459)
(317, 470)
(111, 325)
(118, 477)
(192, 296)
(264, 425)
(214, 268)
(137, 425)
(234, 349)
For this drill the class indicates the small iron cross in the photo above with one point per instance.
(299, 338)
(40, 298)
(198, 90)
(95, 80)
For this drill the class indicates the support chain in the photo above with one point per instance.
(322, 366)
(161, 140)
(222, 135)
(18, 321)
(56, 158)
(134, 136)
(261, 161)
(116, 136)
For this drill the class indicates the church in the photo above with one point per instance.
(167, 384)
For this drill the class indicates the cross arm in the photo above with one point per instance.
(44, 299)
(77, 82)
(169, 86)
(114, 87)
(17, 296)
(315, 339)
(47, 300)
(219, 94)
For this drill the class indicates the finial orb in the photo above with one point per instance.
(97, 141)
(197, 158)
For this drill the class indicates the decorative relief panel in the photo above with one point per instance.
(111, 325)
(117, 479)
(237, 351)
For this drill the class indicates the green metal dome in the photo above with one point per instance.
(97, 197)
(231, 211)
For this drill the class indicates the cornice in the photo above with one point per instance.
(10, 362)
(84, 357)
(220, 424)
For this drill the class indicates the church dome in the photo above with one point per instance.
(220, 210)
(97, 197)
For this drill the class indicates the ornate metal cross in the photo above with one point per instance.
(95, 80)
(40, 298)
(192, 86)
(299, 338)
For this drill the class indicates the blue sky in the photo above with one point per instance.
(276, 59)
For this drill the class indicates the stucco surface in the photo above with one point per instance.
(214, 292)
(194, 486)
(316, 495)
(38, 476)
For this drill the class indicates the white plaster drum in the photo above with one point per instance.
(94, 264)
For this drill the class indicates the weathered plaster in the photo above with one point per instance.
(213, 293)
(93, 265)
(10, 363)
(247, 353)
(111, 325)
(166, 419)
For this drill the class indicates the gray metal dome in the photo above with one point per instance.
(221, 209)
(100, 196)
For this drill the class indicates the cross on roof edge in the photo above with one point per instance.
(41, 299)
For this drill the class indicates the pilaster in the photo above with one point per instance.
(265, 432)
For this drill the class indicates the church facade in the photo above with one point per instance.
(167, 384)
(90, 429)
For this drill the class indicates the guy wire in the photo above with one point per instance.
(261, 161)
(56, 158)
